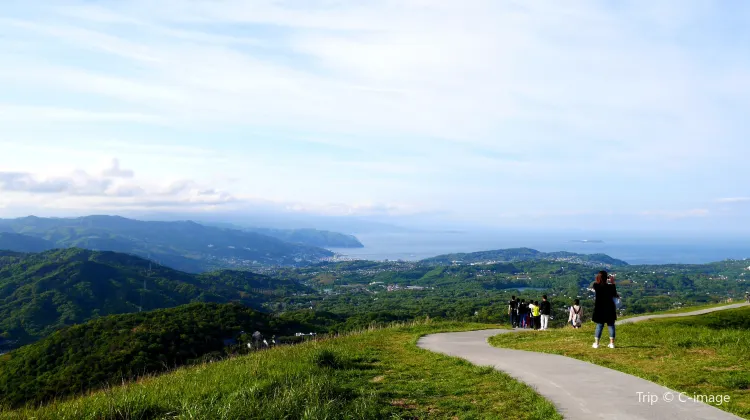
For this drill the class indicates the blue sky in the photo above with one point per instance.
(585, 114)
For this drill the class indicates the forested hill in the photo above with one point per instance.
(185, 246)
(525, 254)
(23, 243)
(40, 293)
(112, 348)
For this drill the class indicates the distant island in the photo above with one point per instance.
(524, 254)
(588, 241)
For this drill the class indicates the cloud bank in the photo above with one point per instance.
(471, 110)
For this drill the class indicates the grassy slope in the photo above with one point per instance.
(375, 374)
(682, 310)
(691, 355)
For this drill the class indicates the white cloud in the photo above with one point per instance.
(434, 70)
(445, 102)
(114, 183)
(119, 188)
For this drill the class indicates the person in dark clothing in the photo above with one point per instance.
(605, 311)
(523, 310)
(513, 311)
(546, 311)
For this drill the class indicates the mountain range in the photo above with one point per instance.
(40, 293)
(183, 245)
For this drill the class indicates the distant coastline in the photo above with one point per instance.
(634, 250)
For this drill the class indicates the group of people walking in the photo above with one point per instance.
(536, 315)
(531, 314)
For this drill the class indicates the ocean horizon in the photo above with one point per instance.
(634, 250)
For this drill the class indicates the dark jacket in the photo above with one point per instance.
(545, 306)
(605, 311)
(523, 308)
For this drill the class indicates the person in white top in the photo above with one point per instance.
(575, 314)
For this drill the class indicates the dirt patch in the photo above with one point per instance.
(401, 403)
(722, 369)
(703, 352)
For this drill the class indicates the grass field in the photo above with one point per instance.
(370, 375)
(707, 354)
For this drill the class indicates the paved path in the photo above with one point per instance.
(698, 312)
(579, 390)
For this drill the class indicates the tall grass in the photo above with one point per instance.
(374, 373)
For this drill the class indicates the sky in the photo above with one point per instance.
(576, 114)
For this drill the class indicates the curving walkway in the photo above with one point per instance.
(698, 312)
(579, 390)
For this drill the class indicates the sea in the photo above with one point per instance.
(634, 249)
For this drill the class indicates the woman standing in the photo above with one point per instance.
(605, 311)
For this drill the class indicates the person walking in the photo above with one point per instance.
(257, 337)
(546, 309)
(575, 314)
(513, 312)
(605, 311)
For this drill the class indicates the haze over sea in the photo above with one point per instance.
(413, 246)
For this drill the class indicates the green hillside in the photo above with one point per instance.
(370, 375)
(108, 349)
(525, 254)
(40, 293)
(186, 246)
(23, 243)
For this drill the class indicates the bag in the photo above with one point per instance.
(577, 317)
(617, 301)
